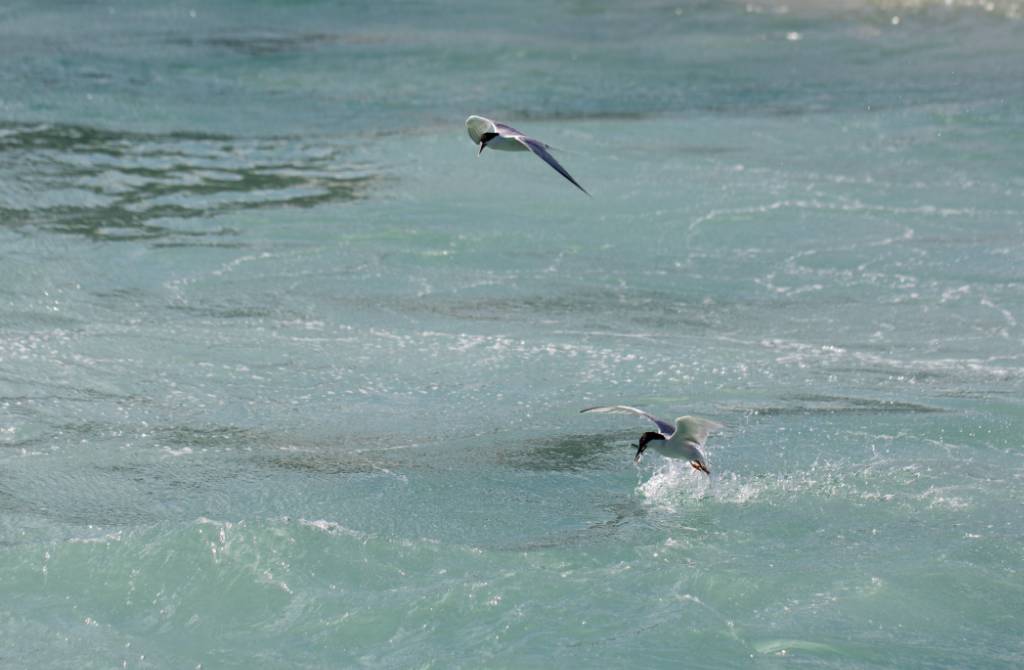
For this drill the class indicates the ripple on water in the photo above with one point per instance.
(117, 185)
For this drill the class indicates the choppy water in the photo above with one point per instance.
(289, 378)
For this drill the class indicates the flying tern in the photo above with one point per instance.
(683, 440)
(487, 133)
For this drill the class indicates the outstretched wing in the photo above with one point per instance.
(540, 150)
(666, 428)
(507, 131)
(695, 429)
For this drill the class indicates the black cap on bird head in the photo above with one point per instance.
(484, 139)
(644, 439)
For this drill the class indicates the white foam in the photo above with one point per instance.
(332, 528)
(674, 481)
(102, 539)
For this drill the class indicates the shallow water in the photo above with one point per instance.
(289, 378)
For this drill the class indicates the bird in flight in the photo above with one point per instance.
(683, 440)
(487, 133)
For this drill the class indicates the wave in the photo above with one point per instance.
(117, 185)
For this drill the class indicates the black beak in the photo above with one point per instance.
(639, 452)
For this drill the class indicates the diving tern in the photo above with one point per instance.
(487, 133)
(683, 440)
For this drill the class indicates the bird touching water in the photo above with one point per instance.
(683, 440)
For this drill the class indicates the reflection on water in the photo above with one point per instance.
(124, 186)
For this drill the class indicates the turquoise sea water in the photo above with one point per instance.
(290, 379)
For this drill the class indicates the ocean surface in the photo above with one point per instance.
(290, 378)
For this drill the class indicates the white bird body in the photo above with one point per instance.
(684, 440)
(493, 135)
(478, 126)
(502, 143)
(680, 445)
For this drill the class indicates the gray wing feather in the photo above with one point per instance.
(540, 150)
(507, 130)
(666, 428)
(695, 429)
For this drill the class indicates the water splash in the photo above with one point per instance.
(675, 483)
